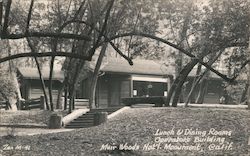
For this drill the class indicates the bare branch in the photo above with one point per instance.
(47, 34)
(120, 53)
(46, 54)
(106, 39)
(29, 15)
(178, 48)
(242, 66)
(233, 44)
(92, 50)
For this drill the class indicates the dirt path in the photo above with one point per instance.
(29, 131)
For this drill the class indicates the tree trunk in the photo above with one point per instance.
(43, 85)
(248, 97)
(71, 96)
(92, 103)
(183, 75)
(244, 93)
(59, 98)
(65, 97)
(72, 88)
(50, 83)
(191, 95)
(33, 50)
(171, 91)
(178, 69)
(179, 59)
(202, 91)
(248, 76)
(197, 80)
(13, 100)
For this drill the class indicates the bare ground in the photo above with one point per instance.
(138, 126)
(27, 116)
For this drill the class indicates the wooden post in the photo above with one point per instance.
(65, 97)
(42, 103)
(73, 104)
(55, 121)
(131, 87)
(100, 117)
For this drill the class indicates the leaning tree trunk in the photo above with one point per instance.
(179, 65)
(248, 76)
(65, 97)
(183, 75)
(179, 60)
(194, 87)
(72, 87)
(202, 91)
(18, 92)
(50, 83)
(244, 93)
(191, 94)
(33, 50)
(13, 100)
(92, 103)
(198, 79)
(171, 91)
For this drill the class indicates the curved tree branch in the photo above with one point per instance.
(102, 32)
(106, 40)
(46, 54)
(46, 34)
(223, 76)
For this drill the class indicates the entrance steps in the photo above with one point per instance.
(87, 119)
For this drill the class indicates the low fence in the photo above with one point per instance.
(38, 103)
(4, 105)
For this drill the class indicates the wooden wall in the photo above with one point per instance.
(213, 93)
(102, 93)
(31, 89)
(111, 88)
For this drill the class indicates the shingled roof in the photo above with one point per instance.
(140, 67)
(32, 73)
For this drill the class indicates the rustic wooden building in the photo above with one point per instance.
(30, 84)
(213, 88)
(118, 79)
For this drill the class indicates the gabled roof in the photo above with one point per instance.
(32, 73)
(140, 67)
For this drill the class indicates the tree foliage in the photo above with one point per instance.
(200, 30)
